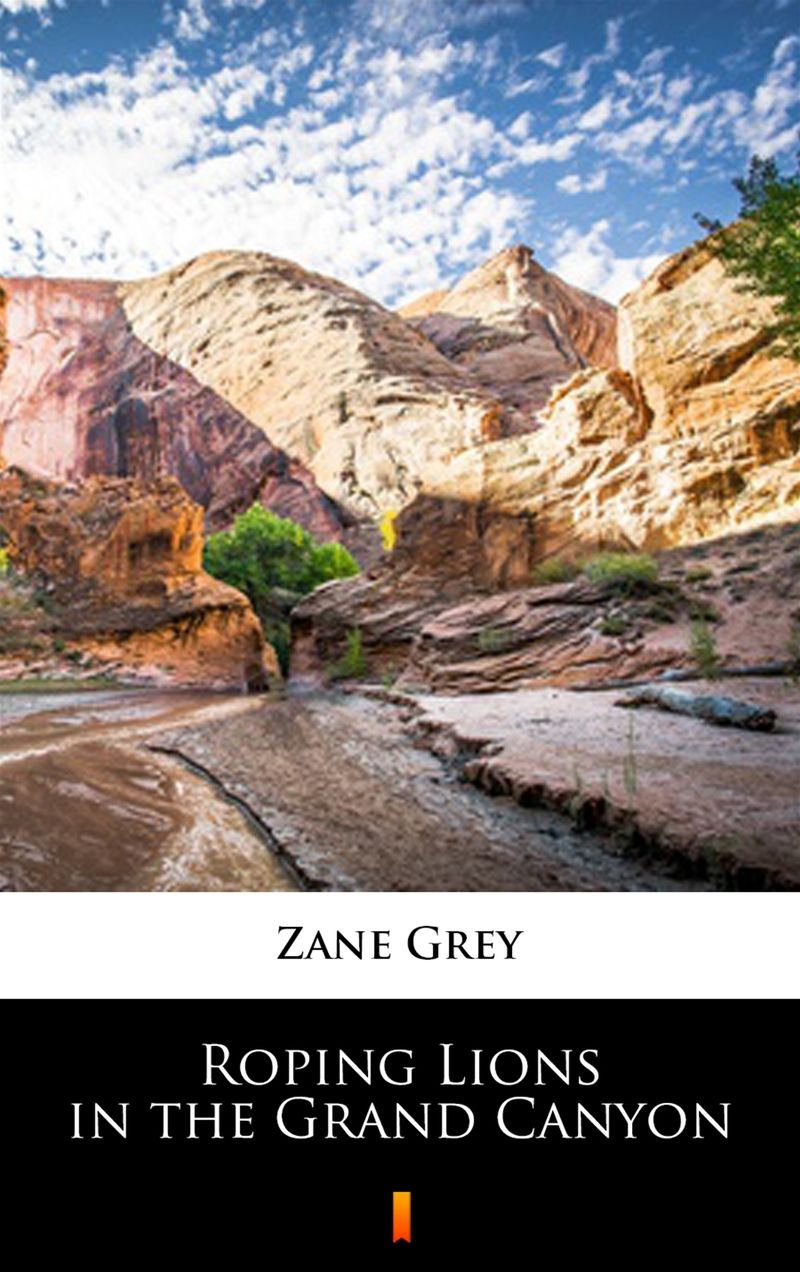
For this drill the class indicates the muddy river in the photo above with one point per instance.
(144, 791)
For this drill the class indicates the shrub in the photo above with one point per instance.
(704, 611)
(614, 625)
(660, 610)
(703, 647)
(698, 574)
(555, 570)
(492, 640)
(5, 562)
(630, 765)
(353, 665)
(762, 248)
(623, 573)
(274, 562)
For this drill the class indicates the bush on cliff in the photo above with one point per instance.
(623, 573)
(763, 247)
(274, 562)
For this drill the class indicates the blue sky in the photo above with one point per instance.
(392, 143)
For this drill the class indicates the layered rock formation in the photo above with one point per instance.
(248, 377)
(695, 438)
(696, 435)
(81, 395)
(517, 330)
(120, 565)
(343, 386)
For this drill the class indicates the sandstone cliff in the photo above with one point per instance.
(341, 385)
(692, 441)
(517, 330)
(697, 434)
(80, 395)
(248, 377)
(119, 565)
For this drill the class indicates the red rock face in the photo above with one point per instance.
(81, 395)
(121, 564)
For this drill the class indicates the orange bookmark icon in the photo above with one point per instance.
(401, 1216)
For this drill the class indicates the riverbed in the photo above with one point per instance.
(154, 791)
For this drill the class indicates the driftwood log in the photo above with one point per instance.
(715, 708)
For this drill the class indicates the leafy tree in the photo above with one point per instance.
(274, 562)
(763, 246)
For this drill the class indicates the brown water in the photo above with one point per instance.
(86, 806)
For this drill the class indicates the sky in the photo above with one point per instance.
(394, 144)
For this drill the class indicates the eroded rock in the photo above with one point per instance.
(120, 563)
(517, 330)
(81, 395)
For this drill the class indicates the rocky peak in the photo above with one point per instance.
(517, 330)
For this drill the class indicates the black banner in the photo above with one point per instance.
(248, 1130)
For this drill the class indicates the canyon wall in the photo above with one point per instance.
(81, 395)
(690, 446)
(247, 377)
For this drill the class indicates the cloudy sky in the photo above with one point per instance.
(391, 143)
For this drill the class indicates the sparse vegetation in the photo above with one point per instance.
(703, 648)
(62, 684)
(274, 562)
(703, 611)
(623, 573)
(555, 570)
(25, 626)
(630, 767)
(698, 574)
(660, 610)
(614, 625)
(492, 640)
(353, 664)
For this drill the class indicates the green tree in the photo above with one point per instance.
(763, 246)
(274, 562)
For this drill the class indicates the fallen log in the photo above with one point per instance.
(712, 707)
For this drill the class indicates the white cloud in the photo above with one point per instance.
(534, 84)
(766, 128)
(578, 79)
(192, 21)
(557, 151)
(589, 261)
(521, 126)
(597, 115)
(573, 183)
(553, 56)
(15, 7)
(133, 168)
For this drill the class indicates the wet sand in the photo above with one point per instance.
(145, 791)
(86, 806)
(357, 806)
